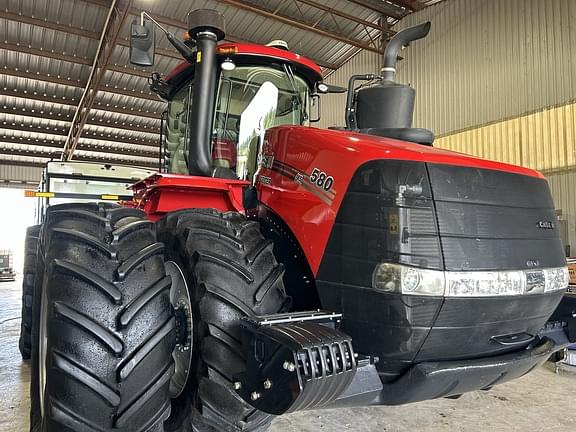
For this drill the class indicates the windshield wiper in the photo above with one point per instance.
(292, 80)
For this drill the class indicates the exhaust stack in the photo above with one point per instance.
(386, 108)
(206, 27)
(400, 39)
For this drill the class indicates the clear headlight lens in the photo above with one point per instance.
(402, 279)
(408, 280)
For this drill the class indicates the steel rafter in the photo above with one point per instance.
(87, 134)
(121, 42)
(345, 15)
(75, 83)
(94, 121)
(240, 4)
(379, 7)
(413, 5)
(56, 154)
(59, 144)
(117, 15)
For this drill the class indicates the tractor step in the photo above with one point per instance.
(301, 361)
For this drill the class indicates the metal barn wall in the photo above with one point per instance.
(23, 177)
(563, 185)
(487, 60)
(483, 61)
(332, 105)
(544, 140)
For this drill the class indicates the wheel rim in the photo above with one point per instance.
(182, 354)
(42, 348)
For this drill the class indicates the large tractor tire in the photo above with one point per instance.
(230, 271)
(28, 275)
(105, 328)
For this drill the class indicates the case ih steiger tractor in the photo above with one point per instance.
(272, 267)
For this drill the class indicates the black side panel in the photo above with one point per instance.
(377, 224)
(494, 220)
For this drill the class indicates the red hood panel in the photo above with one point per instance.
(292, 154)
(375, 147)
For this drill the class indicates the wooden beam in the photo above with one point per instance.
(117, 15)
(240, 4)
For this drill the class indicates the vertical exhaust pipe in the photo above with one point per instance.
(206, 27)
(395, 44)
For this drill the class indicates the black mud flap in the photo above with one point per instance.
(301, 361)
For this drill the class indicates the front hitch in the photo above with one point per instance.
(301, 361)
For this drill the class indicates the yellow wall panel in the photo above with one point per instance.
(545, 140)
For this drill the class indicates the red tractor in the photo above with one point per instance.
(271, 267)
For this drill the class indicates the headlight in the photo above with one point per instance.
(402, 279)
(408, 280)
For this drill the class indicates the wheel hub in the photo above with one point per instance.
(182, 354)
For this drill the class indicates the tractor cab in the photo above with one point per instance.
(257, 87)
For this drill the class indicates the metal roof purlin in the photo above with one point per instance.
(117, 14)
(294, 23)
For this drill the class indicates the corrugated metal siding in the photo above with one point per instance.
(12, 175)
(544, 140)
(486, 60)
(333, 105)
(563, 185)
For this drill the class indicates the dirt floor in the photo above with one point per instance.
(541, 401)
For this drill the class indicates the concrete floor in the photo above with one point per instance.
(541, 401)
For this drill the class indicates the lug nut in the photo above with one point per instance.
(267, 384)
(255, 396)
(237, 385)
(289, 366)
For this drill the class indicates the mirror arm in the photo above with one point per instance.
(180, 46)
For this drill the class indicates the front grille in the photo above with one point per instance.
(437, 217)
(494, 220)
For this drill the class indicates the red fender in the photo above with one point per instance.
(163, 193)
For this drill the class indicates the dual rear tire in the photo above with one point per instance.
(28, 276)
(105, 331)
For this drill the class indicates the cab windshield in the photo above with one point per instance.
(250, 100)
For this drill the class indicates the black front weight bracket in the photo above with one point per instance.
(301, 361)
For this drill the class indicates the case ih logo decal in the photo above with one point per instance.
(319, 183)
(545, 225)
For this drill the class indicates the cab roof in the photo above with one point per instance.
(245, 50)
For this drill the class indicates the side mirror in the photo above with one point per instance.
(142, 43)
(324, 88)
